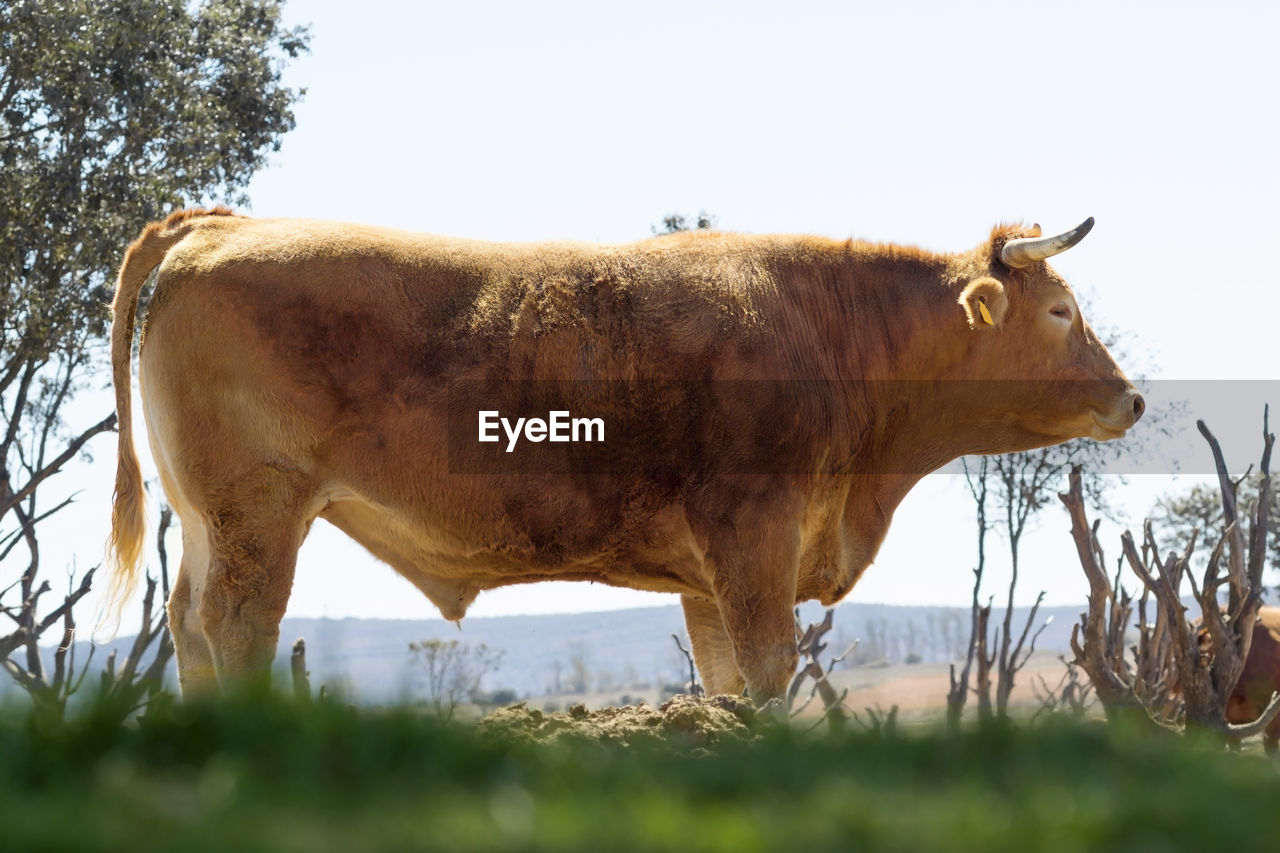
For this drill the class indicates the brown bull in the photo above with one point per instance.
(766, 402)
(1259, 678)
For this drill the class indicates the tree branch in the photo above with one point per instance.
(16, 639)
(12, 500)
(1093, 655)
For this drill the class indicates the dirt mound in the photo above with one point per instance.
(682, 722)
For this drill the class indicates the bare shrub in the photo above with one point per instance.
(1179, 673)
(810, 646)
(129, 683)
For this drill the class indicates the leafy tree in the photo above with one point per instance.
(112, 113)
(1020, 485)
(580, 666)
(1200, 508)
(452, 671)
(1024, 483)
(674, 223)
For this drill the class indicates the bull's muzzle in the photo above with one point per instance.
(1125, 412)
(1137, 405)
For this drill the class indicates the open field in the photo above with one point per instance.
(368, 659)
(919, 690)
(271, 775)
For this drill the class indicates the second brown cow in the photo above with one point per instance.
(1259, 678)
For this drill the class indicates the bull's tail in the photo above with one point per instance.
(128, 511)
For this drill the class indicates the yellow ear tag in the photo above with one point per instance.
(986, 315)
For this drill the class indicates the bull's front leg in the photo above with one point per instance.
(756, 561)
(712, 649)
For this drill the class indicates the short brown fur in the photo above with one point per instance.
(292, 370)
(1259, 678)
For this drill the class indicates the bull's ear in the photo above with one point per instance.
(984, 303)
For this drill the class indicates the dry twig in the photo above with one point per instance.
(1178, 673)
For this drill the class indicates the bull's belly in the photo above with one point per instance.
(451, 564)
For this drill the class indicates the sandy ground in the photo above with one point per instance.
(685, 722)
(920, 690)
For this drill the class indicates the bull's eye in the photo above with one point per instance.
(1061, 310)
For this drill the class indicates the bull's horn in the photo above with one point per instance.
(1025, 251)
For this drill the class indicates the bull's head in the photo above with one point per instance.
(1026, 333)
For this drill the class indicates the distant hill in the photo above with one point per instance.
(369, 661)
(370, 657)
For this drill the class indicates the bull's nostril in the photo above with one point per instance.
(1138, 407)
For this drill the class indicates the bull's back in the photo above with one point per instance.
(329, 282)
(333, 350)
(351, 318)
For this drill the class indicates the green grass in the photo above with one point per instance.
(269, 775)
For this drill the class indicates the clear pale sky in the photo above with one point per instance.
(922, 123)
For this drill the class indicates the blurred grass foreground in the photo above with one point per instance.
(271, 774)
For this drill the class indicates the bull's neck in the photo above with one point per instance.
(880, 328)
(896, 309)
(894, 328)
(906, 333)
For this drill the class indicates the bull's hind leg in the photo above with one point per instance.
(256, 526)
(712, 649)
(195, 662)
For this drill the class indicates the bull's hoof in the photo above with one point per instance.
(774, 711)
